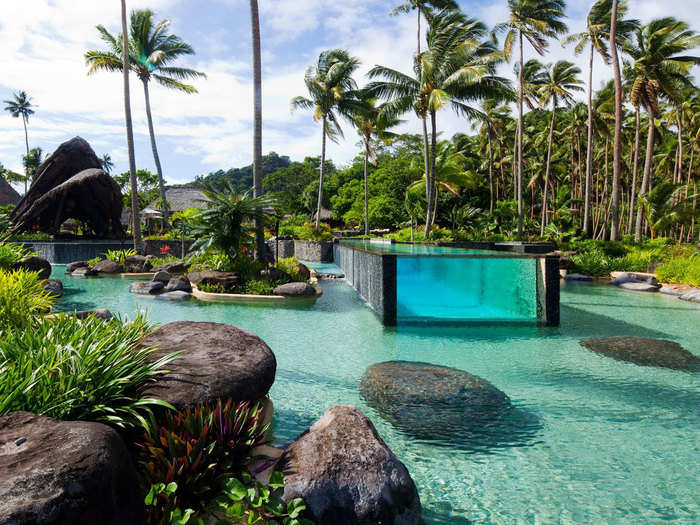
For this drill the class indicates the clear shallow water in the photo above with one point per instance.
(591, 440)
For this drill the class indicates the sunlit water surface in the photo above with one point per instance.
(590, 439)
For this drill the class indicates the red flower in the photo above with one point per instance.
(164, 250)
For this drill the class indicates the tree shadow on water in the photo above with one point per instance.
(577, 322)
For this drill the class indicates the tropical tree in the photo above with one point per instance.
(490, 122)
(257, 122)
(659, 66)
(559, 85)
(106, 163)
(667, 205)
(152, 53)
(421, 6)
(534, 21)
(21, 106)
(597, 36)
(371, 121)
(32, 161)
(331, 95)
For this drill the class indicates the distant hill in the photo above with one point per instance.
(240, 178)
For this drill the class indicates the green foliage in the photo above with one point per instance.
(11, 254)
(147, 183)
(258, 287)
(5, 212)
(23, 300)
(680, 270)
(88, 369)
(199, 449)
(92, 262)
(120, 256)
(289, 265)
(241, 179)
(309, 232)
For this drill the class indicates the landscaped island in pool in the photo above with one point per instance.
(405, 283)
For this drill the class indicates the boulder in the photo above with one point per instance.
(107, 266)
(162, 276)
(83, 271)
(100, 313)
(216, 361)
(675, 289)
(632, 277)
(226, 280)
(53, 286)
(275, 274)
(578, 277)
(295, 290)
(347, 475)
(179, 284)
(644, 352)
(303, 271)
(34, 263)
(431, 401)
(174, 296)
(151, 287)
(91, 197)
(71, 267)
(137, 264)
(692, 296)
(640, 287)
(172, 267)
(65, 473)
(654, 266)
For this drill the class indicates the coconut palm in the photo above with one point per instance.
(559, 85)
(534, 21)
(32, 161)
(21, 106)
(596, 36)
(421, 6)
(331, 95)
(257, 121)
(371, 121)
(106, 163)
(490, 123)
(659, 66)
(666, 205)
(152, 52)
(125, 66)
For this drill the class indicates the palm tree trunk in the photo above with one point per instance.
(617, 147)
(680, 146)
(366, 188)
(647, 175)
(426, 162)
(135, 217)
(587, 223)
(320, 177)
(433, 151)
(491, 193)
(257, 124)
(633, 189)
(515, 164)
(549, 165)
(26, 142)
(520, 141)
(418, 32)
(156, 157)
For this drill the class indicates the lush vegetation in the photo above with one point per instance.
(680, 270)
(23, 300)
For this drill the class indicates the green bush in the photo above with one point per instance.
(289, 265)
(23, 300)
(89, 369)
(11, 253)
(681, 270)
(309, 232)
(120, 256)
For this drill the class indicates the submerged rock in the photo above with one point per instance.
(216, 361)
(65, 473)
(644, 352)
(83, 271)
(34, 263)
(620, 278)
(347, 475)
(107, 266)
(146, 288)
(71, 267)
(692, 296)
(430, 401)
(53, 286)
(640, 287)
(295, 290)
(174, 296)
(578, 277)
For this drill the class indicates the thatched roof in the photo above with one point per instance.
(326, 215)
(180, 199)
(8, 195)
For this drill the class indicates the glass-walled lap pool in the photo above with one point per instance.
(415, 283)
(590, 439)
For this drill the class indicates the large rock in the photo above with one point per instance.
(107, 266)
(162, 276)
(147, 288)
(295, 290)
(226, 280)
(347, 475)
(430, 401)
(640, 287)
(692, 296)
(100, 313)
(620, 278)
(34, 263)
(275, 274)
(53, 286)
(303, 271)
(179, 284)
(644, 352)
(172, 267)
(137, 264)
(217, 361)
(91, 197)
(65, 473)
(83, 271)
(578, 277)
(71, 267)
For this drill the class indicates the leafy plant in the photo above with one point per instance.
(92, 262)
(289, 265)
(199, 448)
(12, 253)
(211, 288)
(120, 256)
(309, 232)
(88, 369)
(681, 270)
(23, 300)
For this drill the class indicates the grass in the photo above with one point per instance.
(681, 270)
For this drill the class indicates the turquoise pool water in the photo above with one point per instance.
(415, 249)
(592, 440)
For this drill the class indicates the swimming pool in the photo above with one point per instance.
(593, 440)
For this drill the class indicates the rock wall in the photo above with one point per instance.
(313, 251)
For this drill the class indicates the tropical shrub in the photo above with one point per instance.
(120, 256)
(309, 232)
(88, 369)
(289, 265)
(23, 300)
(11, 253)
(681, 270)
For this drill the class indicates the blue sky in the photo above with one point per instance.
(43, 42)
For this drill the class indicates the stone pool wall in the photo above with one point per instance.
(64, 252)
(313, 251)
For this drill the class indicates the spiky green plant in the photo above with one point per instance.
(23, 300)
(120, 256)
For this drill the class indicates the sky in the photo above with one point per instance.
(42, 46)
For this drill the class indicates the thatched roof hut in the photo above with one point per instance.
(8, 195)
(179, 199)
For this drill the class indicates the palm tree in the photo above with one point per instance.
(152, 52)
(421, 6)
(331, 95)
(491, 120)
(106, 162)
(21, 106)
(659, 67)
(135, 217)
(558, 86)
(667, 205)
(32, 161)
(597, 35)
(371, 120)
(257, 122)
(534, 20)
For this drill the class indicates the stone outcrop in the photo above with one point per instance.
(179, 284)
(295, 290)
(347, 475)
(162, 276)
(172, 267)
(53, 286)
(639, 287)
(632, 277)
(107, 266)
(227, 281)
(65, 473)
(692, 296)
(147, 288)
(578, 277)
(303, 271)
(35, 263)
(83, 271)
(216, 361)
(275, 274)
(137, 264)
(644, 352)
(71, 267)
